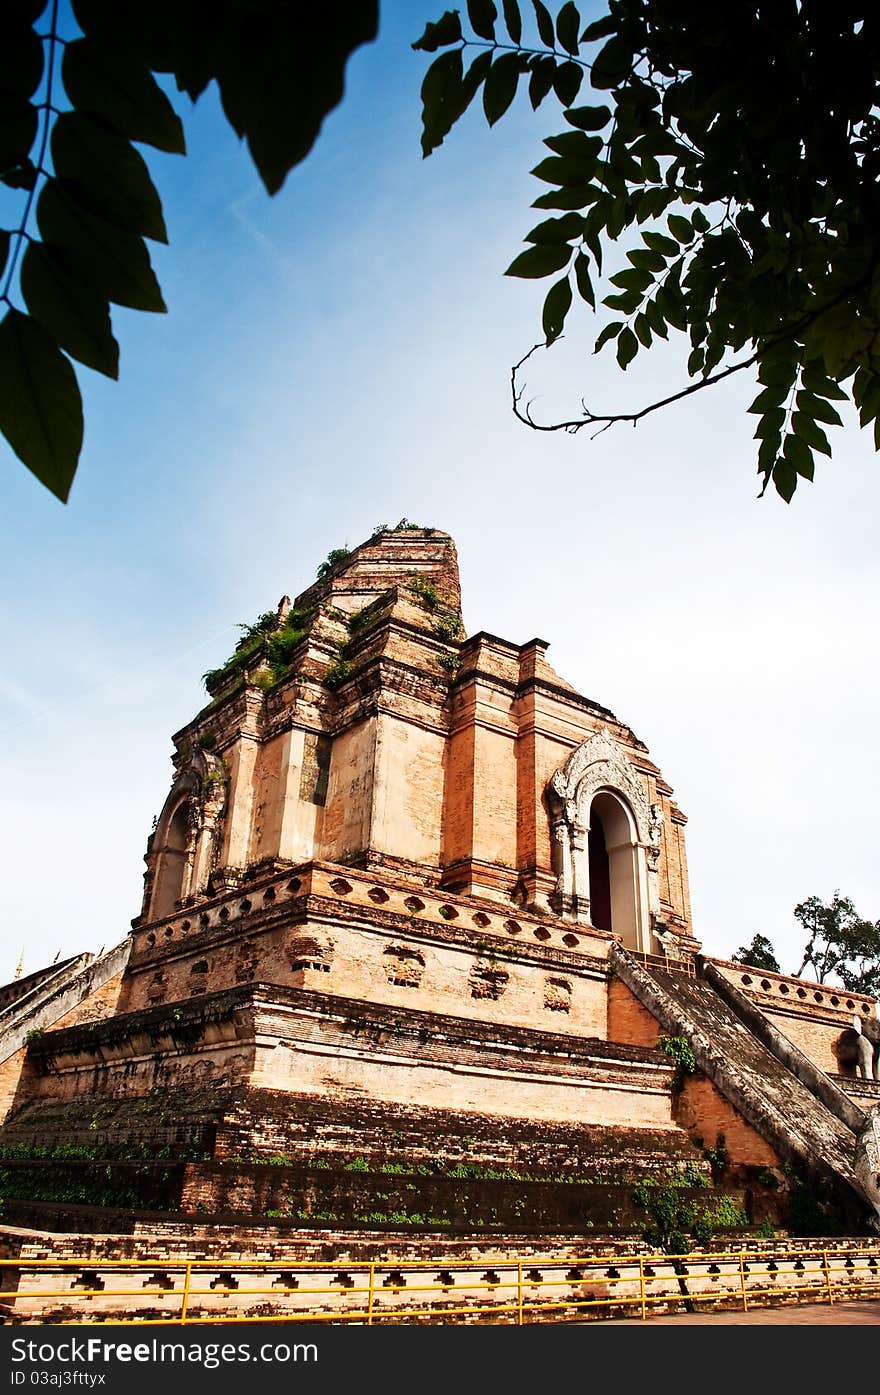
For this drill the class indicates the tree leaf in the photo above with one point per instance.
(582, 277)
(513, 20)
(626, 302)
(545, 24)
(771, 423)
(578, 145)
(564, 170)
(568, 22)
(556, 306)
(607, 333)
(567, 82)
(280, 72)
(112, 84)
(818, 408)
(23, 176)
(540, 261)
(541, 80)
(785, 479)
(627, 347)
(573, 196)
(680, 228)
(798, 454)
(557, 229)
(501, 84)
(599, 29)
(40, 405)
(822, 386)
(482, 15)
(666, 246)
(447, 30)
(64, 304)
(21, 58)
(612, 64)
(807, 429)
(642, 328)
(441, 99)
(655, 319)
(111, 176)
(18, 129)
(770, 397)
(588, 118)
(116, 263)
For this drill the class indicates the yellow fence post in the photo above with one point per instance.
(642, 1285)
(372, 1294)
(519, 1295)
(742, 1281)
(825, 1266)
(186, 1282)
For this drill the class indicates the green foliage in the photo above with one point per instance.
(336, 554)
(279, 69)
(283, 643)
(338, 671)
(732, 152)
(265, 638)
(766, 1230)
(357, 1165)
(840, 943)
(673, 1217)
(717, 1157)
(425, 592)
(447, 626)
(680, 1052)
(760, 954)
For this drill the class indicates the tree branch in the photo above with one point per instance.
(589, 418)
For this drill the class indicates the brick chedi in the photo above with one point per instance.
(414, 908)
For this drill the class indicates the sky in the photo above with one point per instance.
(339, 356)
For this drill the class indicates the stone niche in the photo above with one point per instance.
(606, 839)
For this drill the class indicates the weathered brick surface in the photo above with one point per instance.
(706, 1114)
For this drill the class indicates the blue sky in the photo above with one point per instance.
(338, 357)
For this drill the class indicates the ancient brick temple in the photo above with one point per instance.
(415, 919)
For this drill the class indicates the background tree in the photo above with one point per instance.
(76, 96)
(734, 156)
(840, 943)
(760, 954)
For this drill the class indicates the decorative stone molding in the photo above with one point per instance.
(596, 766)
(200, 788)
(867, 1166)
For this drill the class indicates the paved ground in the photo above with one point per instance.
(864, 1314)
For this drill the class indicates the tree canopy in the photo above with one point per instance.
(723, 168)
(841, 945)
(760, 954)
(75, 101)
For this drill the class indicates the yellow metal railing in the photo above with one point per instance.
(686, 966)
(514, 1289)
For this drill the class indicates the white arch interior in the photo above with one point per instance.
(627, 870)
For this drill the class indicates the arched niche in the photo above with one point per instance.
(171, 868)
(600, 816)
(182, 849)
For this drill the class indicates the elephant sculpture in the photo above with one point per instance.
(859, 1045)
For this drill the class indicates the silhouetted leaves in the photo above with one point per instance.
(40, 405)
(737, 168)
(113, 85)
(69, 308)
(280, 70)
